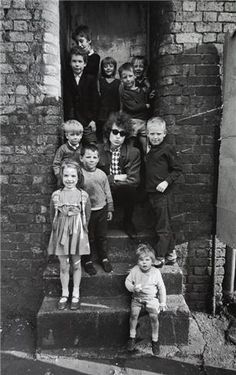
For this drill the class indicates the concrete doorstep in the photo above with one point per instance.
(205, 354)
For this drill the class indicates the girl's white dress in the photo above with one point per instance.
(70, 211)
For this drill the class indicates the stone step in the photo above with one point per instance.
(104, 322)
(107, 285)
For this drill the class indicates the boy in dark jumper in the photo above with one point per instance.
(73, 131)
(162, 169)
(81, 98)
(82, 36)
(134, 102)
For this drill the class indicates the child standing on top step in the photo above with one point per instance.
(70, 212)
(148, 292)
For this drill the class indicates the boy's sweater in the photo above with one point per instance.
(92, 66)
(66, 151)
(150, 281)
(162, 164)
(97, 186)
(134, 103)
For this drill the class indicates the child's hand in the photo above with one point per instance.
(162, 186)
(162, 307)
(147, 105)
(92, 126)
(152, 94)
(138, 288)
(109, 216)
(120, 177)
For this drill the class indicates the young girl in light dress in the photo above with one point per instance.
(70, 213)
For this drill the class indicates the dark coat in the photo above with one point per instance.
(129, 163)
(80, 101)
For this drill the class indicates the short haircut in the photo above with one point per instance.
(76, 51)
(69, 163)
(140, 58)
(156, 121)
(145, 250)
(89, 146)
(122, 120)
(82, 30)
(108, 60)
(72, 126)
(125, 67)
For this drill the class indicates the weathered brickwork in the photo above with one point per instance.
(186, 44)
(31, 113)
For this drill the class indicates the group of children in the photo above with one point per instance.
(90, 98)
(91, 175)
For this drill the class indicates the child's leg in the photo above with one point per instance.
(133, 321)
(155, 325)
(76, 275)
(64, 274)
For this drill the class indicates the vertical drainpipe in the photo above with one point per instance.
(215, 192)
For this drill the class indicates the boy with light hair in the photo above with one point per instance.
(73, 130)
(162, 170)
(145, 283)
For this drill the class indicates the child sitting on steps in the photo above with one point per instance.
(144, 282)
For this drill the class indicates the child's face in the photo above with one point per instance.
(90, 160)
(74, 137)
(83, 43)
(155, 134)
(77, 63)
(109, 69)
(70, 177)
(117, 136)
(138, 68)
(145, 263)
(128, 79)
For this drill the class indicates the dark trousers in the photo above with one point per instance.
(97, 232)
(161, 205)
(124, 196)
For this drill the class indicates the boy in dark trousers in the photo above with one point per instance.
(97, 186)
(162, 169)
(81, 98)
(82, 36)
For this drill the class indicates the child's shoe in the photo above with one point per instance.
(89, 268)
(159, 263)
(75, 303)
(131, 344)
(62, 303)
(106, 265)
(155, 347)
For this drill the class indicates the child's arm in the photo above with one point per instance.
(175, 170)
(161, 290)
(132, 104)
(87, 210)
(57, 161)
(129, 283)
(109, 199)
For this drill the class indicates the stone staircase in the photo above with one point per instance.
(103, 318)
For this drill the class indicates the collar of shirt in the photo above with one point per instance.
(74, 147)
(91, 52)
(117, 149)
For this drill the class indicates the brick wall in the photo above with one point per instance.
(31, 111)
(186, 42)
(187, 46)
